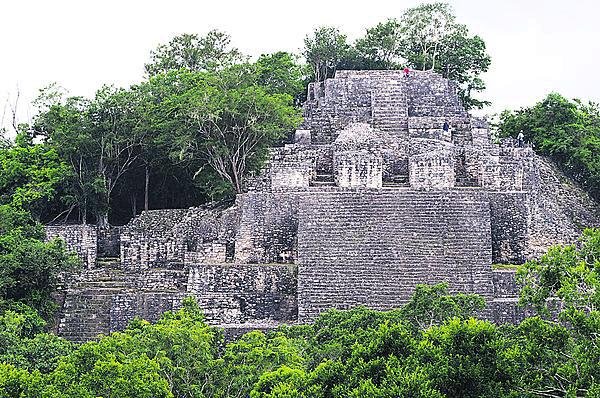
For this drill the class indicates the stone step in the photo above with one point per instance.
(398, 179)
(389, 184)
(324, 178)
(322, 184)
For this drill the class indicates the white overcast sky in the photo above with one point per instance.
(536, 46)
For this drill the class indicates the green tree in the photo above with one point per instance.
(250, 356)
(568, 274)
(462, 359)
(380, 47)
(99, 140)
(30, 174)
(211, 52)
(233, 122)
(432, 305)
(431, 39)
(66, 127)
(563, 285)
(423, 30)
(17, 383)
(324, 50)
(463, 58)
(29, 267)
(280, 73)
(172, 358)
(23, 342)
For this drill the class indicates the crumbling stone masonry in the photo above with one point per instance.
(373, 198)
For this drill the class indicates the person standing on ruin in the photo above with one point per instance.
(406, 71)
(520, 139)
(447, 130)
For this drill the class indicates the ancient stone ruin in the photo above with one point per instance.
(373, 198)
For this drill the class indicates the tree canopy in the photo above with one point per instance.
(195, 132)
(425, 37)
(325, 50)
(30, 269)
(210, 53)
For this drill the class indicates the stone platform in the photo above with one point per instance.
(373, 198)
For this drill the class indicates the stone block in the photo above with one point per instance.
(432, 170)
(358, 169)
(302, 137)
(81, 239)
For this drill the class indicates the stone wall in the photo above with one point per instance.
(146, 240)
(81, 239)
(505, 284)
(106, 299)
(159, 237)
(431, 95)
(267, 229)
(509, 221)
(432, 170)
(505, 306)
(109, 241)
(372, 248)
(292, 166)
(102, 300)
(241, 293)
(559, 209)
(358, 169)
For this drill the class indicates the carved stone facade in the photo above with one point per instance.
(374, 197)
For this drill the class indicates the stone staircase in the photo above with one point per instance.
(87, 306)
(373, 247)
(323, 180)
(389, 106)
(397, 181)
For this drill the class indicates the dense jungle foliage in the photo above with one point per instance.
(434, 346)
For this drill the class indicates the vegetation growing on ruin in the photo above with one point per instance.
(567, 131)
(426, 37)
(434, 346)
(204, 114)
(202, 120)
(30, 268)
(177, 139)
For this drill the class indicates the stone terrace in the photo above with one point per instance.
(372, 198)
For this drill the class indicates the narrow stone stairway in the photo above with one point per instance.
(389, 107)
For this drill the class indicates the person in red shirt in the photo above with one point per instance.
(406, 71)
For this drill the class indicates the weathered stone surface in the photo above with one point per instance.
(241, 293)
(432, 170)
(372, 248)
(81, 239)
(372, 198)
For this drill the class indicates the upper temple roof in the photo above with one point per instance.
(386, 99)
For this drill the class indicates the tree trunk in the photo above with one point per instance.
(103, 220)
(134, 205)
(83, 210)
(146, 188)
